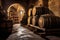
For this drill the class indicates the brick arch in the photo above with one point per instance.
(16, 10)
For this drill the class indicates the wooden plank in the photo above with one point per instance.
(37, 27)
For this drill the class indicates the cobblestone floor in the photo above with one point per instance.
(25, 34)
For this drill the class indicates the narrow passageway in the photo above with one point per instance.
(29, 19)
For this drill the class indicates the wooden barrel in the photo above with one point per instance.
(48, 21)
(29, 12)
(28, 20)
(34, 11)
(33, 20)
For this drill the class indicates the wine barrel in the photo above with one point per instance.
(33, 20)
(29, 12)
(34, 11)
(28, 20)
(48, 21)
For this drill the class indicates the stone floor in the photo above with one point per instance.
(23, 33)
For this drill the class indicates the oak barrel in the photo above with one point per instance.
(48, 21)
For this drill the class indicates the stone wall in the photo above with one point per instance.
(54, 6)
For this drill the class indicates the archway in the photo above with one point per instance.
(15, 12)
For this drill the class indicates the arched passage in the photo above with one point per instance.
(15, 12)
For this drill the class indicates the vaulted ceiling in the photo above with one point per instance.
(25, 3)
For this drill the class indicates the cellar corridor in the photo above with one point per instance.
(29, 19)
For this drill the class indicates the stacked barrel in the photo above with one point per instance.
(41, 19)
(48, 21)
(27, 19)
(32, 18)
(51, 24)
